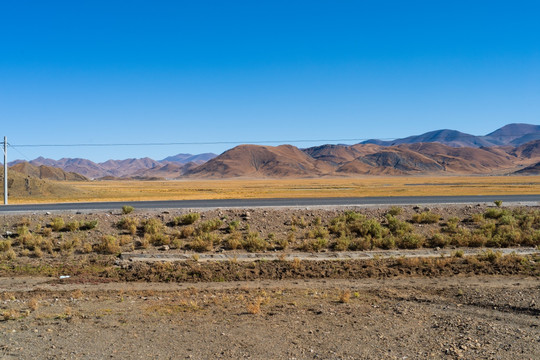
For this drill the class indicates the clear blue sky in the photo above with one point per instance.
(203, 71)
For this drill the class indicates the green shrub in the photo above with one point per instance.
(126, 209)
(493, 213)
(438, 240)
(73, 226)
(395, 211)
(57, 224)
(342, 243)
(451, 225)
(387, 243)
(88, 225)
(489, 255)
(398, 227)
(233, 226)
(187, 219)
(360, 244)
(410, 241)
(253, 242)
(158, 239)
(498, 203)
(152, 226)
(425, 217)
(209, 225)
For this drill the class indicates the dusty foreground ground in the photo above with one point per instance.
(266, 299)
(472, 317)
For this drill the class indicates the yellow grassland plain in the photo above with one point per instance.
(119, 190)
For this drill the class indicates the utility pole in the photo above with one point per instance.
(5, 172)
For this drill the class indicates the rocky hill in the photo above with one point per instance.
(46, 172)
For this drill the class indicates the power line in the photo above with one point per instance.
(17, 150)
(191, 143)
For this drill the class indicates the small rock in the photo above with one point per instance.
(164, 248)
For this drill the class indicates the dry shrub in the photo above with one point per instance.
(186, 219)
(253, 242)
(187, 231)
(33, 304)
(46, 231)
(234, 240)
(11, 314)
(108, 245)
(5, 245)
(69, 245)
(425, 217)
(254, 307)
(345, 296)
(76, 294)
(10, 255)
(129, 224)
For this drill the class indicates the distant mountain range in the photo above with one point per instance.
(512, 134)
(512, 149)
(170, 167)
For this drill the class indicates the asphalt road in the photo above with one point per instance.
(254, 203)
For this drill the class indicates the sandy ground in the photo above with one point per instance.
(481, 317)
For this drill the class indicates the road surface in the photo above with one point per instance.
(254, 203)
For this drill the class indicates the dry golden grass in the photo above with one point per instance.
(293, 188)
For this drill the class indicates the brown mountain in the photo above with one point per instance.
(128, 166)
(46, 172)
(25, 186)
(529, 150)
(530, 170)
(168, 171)
(366, 159)
(462, 160)
(263, 161)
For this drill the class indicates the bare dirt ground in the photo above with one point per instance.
(484, 306)
(470, 317)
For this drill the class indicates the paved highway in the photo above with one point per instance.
(254, 203)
